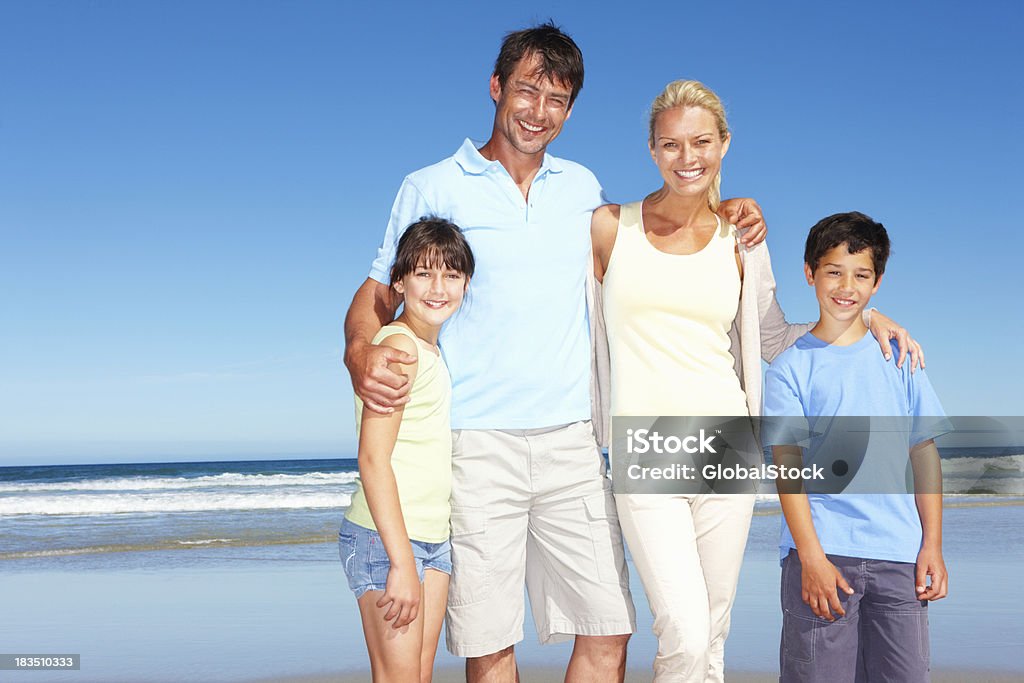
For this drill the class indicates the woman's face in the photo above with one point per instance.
(688, 149)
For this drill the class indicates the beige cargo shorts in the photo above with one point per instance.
(533, 507)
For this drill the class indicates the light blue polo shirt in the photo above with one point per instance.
(519, 348)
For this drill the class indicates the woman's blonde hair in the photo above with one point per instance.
(679, 94)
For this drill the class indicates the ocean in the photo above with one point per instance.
(229, 571)
(52, 511)
(63, 510)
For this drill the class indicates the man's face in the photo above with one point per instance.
(531, 108)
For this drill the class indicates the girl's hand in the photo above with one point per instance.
(403, 591)
(819, 579)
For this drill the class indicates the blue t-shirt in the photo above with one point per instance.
(519, 348)
(818, 381)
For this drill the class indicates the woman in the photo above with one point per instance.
(689, 314)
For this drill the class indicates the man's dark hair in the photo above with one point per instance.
(432, 242)
(560, 58)
(857, 231)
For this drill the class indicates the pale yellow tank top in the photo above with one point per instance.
(668, 318)
(422, 458)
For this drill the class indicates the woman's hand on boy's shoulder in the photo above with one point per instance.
(885, 329)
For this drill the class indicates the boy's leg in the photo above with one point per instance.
(435, 600)
(894, 625)
(815, 650)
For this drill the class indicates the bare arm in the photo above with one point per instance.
(380, 387)
(819, 578)
(924, 458)
(604, 225)
(377, 438)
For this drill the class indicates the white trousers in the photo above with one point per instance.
(688, 550)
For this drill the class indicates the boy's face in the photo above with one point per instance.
(843, 283)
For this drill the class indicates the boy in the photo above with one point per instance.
(854, 566)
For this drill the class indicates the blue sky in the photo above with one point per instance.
(190, 192)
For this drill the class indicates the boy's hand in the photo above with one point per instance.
(930, 563)
(403, 592)
(819, 579)
(745, 214)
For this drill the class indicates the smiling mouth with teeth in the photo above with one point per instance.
(530, 127)
(844, 302)
(435, 304)
(690, 175)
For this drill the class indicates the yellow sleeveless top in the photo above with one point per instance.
(422, 458)
(668, 318)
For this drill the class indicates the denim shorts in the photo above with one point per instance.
(366, 562)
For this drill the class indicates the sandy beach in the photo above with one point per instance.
(542, 675)
(283, 613)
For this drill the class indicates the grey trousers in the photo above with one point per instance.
(883, 637)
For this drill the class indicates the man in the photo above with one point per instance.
(530, 499)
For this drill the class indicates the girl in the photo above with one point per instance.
(394, 538)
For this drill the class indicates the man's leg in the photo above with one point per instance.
(894, 625)
(575, 569)
(598, 658)
(490, 511)
(499, 667)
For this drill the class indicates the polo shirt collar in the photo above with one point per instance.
(469, 158)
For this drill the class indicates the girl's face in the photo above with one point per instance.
(688, 149)
(432, 293)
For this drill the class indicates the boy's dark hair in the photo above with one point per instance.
(560, 58)
(857, 231)
(433, 242)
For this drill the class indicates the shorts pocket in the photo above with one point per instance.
(346, 551)
(378, 564)
(603, 523)
(798, 635)
(470, 555)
